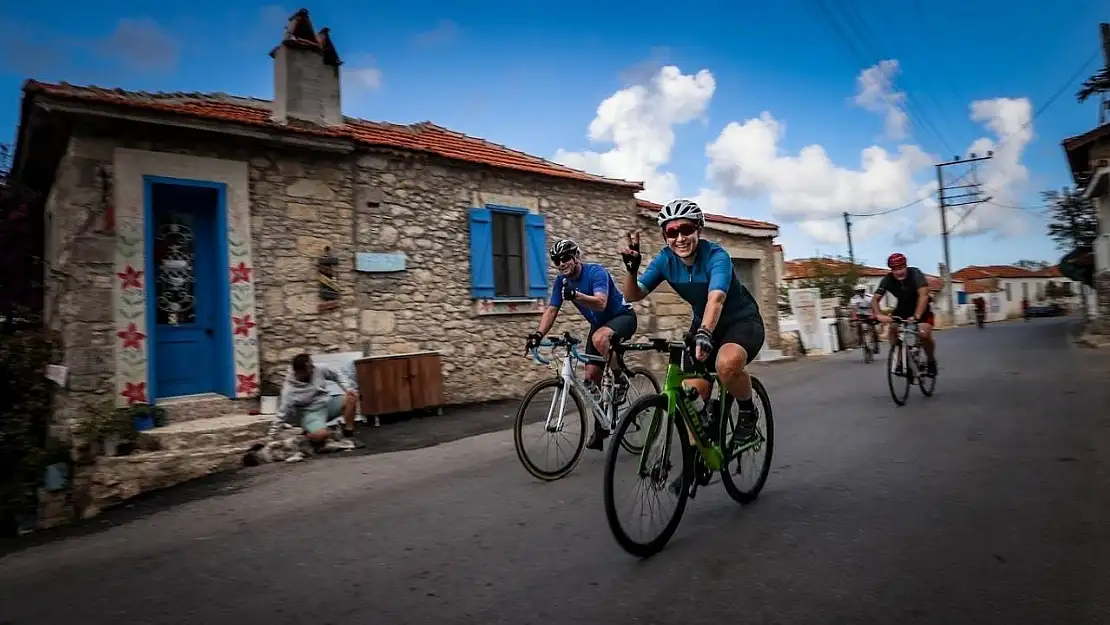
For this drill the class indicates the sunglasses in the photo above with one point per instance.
(673, 232)
(559, 260)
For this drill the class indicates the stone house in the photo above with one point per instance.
(1089, 160)
(188, 228)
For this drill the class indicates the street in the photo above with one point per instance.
(986, 503)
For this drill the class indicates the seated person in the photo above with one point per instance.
(306, 402)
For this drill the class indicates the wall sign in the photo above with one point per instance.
(369, 262)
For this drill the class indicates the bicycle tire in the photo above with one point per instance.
(733, 491)
(654, 546)
(892, 357)
(931, 381)
(632, 372)
(518, 430)
(868, 355)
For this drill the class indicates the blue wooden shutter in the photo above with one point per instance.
(536, 238)
(481, 252)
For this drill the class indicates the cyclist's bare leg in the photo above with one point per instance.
(601, 340)
(731, 361)
(925, 331)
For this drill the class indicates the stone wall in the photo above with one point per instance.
(80, 256)
(420, 207)
(1101, 323)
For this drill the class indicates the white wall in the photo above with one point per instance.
(1102, 244)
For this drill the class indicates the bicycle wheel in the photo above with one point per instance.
(764, 442)
(865, 344)
(927, 383)
(633, 440)
(556, 385)
(661, 477)
(894, 357)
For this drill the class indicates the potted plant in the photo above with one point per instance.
(105, 428)
(146, 417)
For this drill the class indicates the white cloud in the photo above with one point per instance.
(368, 78)
(639, 122)
(746, 161)
(877, 94)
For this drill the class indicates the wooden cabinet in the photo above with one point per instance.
(399, 382)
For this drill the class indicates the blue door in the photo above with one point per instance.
(186, 272)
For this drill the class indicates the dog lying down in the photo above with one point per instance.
(290, 445)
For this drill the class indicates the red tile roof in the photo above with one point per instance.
(421, 137)
(720, 219)
(808, 267)
(981, 272)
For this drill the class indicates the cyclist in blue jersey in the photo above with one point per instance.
(727, 327)
(594, 293)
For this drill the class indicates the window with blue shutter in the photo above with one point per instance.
(481, 253)
(536, 238)
(508, 253)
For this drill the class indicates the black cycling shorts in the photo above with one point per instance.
(747, 333)
(623, 326)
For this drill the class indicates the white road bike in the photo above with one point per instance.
(606, 410)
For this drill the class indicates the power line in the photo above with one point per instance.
(918, 118)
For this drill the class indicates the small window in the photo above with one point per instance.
(509, 267)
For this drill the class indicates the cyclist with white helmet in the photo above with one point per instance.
(592, 290)
(860, 306)
(727, 327)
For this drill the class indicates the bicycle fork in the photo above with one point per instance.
(567, 375)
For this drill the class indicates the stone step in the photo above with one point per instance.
(234, 429)
(118, 478)
(208, 405)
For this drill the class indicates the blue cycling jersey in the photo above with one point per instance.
(593, 279)
(712, 271)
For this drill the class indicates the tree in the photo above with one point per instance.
(1073, 221)
(1098, 83)
(833, 276)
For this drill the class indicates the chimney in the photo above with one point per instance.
(306, 75)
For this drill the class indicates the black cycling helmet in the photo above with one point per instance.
(564, 248)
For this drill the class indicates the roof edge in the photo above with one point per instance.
(36, 87)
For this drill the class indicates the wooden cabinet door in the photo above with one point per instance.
(389, 388)
(426, 381)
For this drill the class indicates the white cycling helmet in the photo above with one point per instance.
(680, 209)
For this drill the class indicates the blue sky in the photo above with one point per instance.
(534, 79)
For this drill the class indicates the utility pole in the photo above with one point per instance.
(944, 204)
(848, 228)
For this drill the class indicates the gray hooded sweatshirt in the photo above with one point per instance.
(312, 395)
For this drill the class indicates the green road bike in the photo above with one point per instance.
(706, 443)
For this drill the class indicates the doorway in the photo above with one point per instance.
(187, 289)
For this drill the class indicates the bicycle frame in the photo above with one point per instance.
(606, 415)
(906, 331)
(678, 404)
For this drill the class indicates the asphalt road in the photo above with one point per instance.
(987, 503)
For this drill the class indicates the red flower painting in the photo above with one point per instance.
(242, 273)
(247, 384)
(130, 278)
(135, 393)
(132, 338)
(243, 324)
